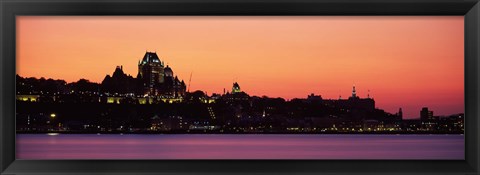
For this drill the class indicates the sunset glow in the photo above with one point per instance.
(401, 62)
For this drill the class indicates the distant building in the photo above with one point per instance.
(355, 102)
(429, 122)
(426, 115)
(118, 83)
(236, 95)
(354, 93)
(236, 88)
(314, 98)
(359, 108)
(400, 114)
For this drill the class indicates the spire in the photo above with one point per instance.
(400, 113)
(354, 93)
(368, 95)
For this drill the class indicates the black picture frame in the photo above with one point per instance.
(9, 9)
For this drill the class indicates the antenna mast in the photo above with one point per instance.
(189, 81)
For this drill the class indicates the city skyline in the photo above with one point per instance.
(259, 67)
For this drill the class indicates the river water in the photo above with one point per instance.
(230, 146)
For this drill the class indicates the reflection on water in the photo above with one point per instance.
(133, 146)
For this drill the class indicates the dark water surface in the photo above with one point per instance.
(133, 146)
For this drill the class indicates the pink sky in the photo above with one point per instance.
(408, 62)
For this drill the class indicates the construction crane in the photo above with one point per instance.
(189, 81)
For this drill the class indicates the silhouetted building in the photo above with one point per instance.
(236, 95)
(426, 115)
(354, 93)
(400, 113)
(157, 80)
(151, 74)
(361, 108)
(118, 83)
(358, 108)
(153, 80)
(314, 98)
(236, 88)
(172, 87)
(363, 103)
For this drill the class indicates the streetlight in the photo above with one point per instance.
(52, 116)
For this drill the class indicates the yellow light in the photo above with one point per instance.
(53, 115)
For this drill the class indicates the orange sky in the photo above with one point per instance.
(407, 62)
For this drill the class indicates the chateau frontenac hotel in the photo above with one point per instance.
(158, 80)
(153, 81)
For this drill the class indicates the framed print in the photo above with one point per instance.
(235, 94)
(239, 87)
